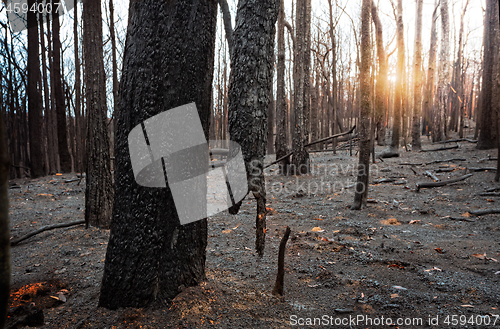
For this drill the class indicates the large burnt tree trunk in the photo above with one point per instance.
(281, 106)
(37, 159)
(487, 135)
(365, 112)
(58, 94)
(5, 266)
(417, 99)
(168, 62)
(250, 82)
(99, 189)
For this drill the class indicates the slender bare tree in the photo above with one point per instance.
(399, 88)
(365, 112)
(417, 96)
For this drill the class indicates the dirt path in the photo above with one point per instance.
(407, 256)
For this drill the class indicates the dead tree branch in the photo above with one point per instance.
(278, 285)
(15, 242)
(441, 183)
(441, 149)
(484, 212)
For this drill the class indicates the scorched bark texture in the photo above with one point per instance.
(250, 83)
(99, 188)
(168, 62)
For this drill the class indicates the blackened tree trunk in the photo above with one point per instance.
(417, 96)
(398, 94)
(488, 133)
(458, 102)
(113, 50)
(49, 122)
(307, 72)
(428, 106)
(250, 82)
(301, 73)
(439, 129)
(497, 95)
(5, 266)
(381, 84)
(281, 106)
(58, 94)
(333, 97)
(365, 109)
(270, 119)
(99, 189)
(168, 62)
(37, 159)
(78, 87)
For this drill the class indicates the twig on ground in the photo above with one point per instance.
(431, 175)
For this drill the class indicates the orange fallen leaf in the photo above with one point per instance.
(439, 250)
(58, 174)
(414, 221)
(490, 200)
(317, 229)
(394, 295)
(480, 256)
(318, 218)
(226, 231)
(397, 266)
(466, 305)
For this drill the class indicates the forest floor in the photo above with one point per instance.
(408, 257)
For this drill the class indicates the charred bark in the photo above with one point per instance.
(99, 189)
(168, 62)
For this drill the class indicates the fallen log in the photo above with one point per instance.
(310, 144)
(388, 154)
(72, 180)
(331, 137)
(278, 285)
(446, 160)
(463, 219)
(441, 149)
(482, 169)
(484, 212)
(441, 183)
(489, 194)
(456, 141)
(14, 242)
(444, 170)
(487, 159)
(383, 180)
(431, 162)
